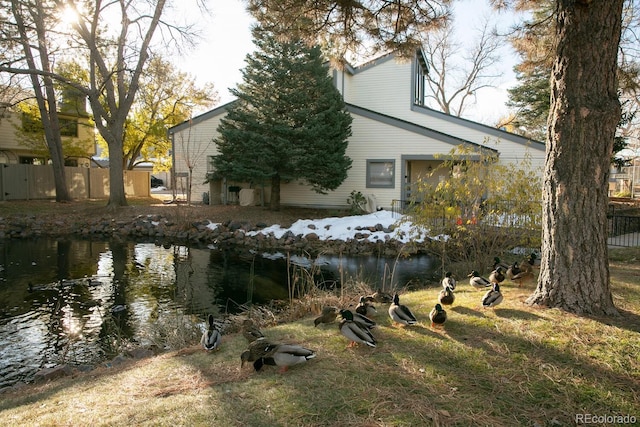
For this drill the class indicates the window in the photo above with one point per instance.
(381, 173)
(68, 127)
(419, 80)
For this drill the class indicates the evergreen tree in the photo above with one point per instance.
(289, 123)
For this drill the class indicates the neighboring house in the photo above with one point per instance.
(77, 131)
(395, 139)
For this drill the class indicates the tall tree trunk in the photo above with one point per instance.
(274, 205)
(117, 195)
(46, 100)
(585, 110)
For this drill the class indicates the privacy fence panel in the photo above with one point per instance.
(26, 182)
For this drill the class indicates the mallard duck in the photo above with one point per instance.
(516, 275)
(478, 282)
(438, 315)
(448, 281)
(211, 338)
(530, 263)
(380, 297)
(497, 262)
(493, 297)
(513, 270)
(354, 332)
(285, 355)
(366, 308)
(257, 348)
(400, 313)
(250, 331)
(329, 314)
(497, 275)
(446, 296)
(363, 321)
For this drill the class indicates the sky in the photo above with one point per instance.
(227, 40)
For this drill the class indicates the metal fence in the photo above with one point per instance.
(622, 230)
(498, 213)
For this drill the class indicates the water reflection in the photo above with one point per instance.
(75, 301)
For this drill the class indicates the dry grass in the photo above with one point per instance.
(512, 365)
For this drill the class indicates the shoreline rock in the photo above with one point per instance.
(230, 234)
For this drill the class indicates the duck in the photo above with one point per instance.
(284, 356)
(354, 332)
(250, 331)
(364, 321)
(446, 296)
(497, 262)
(478, 282)
(448, 281)
(497, 275)
(211, 338)
(493, 297)
(530, 263)
(400, 313)
(366, 308)
(257, 348)
(328, 315)
(516, 275)
(438, 315)
(380, 297)
(513, 270)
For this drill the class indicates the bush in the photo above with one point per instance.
(484, 208)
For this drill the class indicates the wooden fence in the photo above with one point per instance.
(27, 182)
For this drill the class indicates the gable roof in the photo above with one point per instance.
(490, 130)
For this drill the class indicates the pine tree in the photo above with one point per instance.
(289, 122)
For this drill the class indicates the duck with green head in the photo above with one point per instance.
(400, 313)
(355, 332)
(438, 315)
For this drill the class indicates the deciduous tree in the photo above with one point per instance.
(454, 78)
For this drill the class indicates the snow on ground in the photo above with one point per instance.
(344, 228)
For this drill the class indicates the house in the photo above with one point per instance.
(76, 130)
(395, 139)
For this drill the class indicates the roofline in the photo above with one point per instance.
(355, 69)
(200, 118)
(498, 133)
(415, 128)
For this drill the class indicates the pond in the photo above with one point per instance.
(70, 300)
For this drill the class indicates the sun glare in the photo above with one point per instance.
(68, 15)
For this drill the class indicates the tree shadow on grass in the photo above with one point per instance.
(627, 320)
(467, 311)
(511, 313)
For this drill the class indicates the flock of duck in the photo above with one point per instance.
(356, 325)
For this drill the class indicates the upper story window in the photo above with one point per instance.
(68, 127)
(419, 79)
